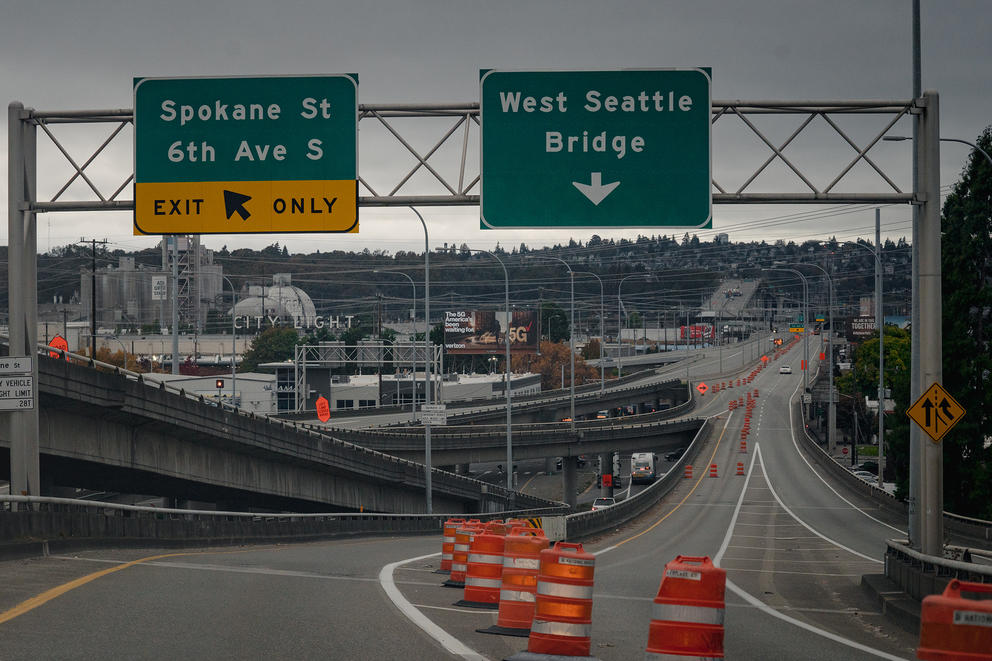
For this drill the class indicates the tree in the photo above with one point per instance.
(966, 263)
(554, 319)
(554, 356)
(274, 344)
(591, 350)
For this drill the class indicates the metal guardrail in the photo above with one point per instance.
(26, 521)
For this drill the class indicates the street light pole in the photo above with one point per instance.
(805, 323)
(602, 331)
(234, 339)
(427, 359)
(880, 323)
(506, 341)
(571, 337)
(620, 320)
(831, 408)
(413, 381)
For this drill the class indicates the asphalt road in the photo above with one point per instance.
(794, 546)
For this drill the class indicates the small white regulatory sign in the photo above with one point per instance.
(434, 414)
(16, 365)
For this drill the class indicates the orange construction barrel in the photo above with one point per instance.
(518, 592)
(954, 628)
(484, 573)
(687, 617)
(448, 543)
(459, 560)
(562, 623)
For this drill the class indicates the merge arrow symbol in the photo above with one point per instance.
(596, 191)
(235, 202)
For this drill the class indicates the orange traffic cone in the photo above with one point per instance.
(459, 559)
(740, 467)
(688, 471)
(713, 470)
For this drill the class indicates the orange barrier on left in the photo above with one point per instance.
(687, 617)
(448, 544)
(954, 628)
(562, 623)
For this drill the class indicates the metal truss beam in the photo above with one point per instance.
(461, 187)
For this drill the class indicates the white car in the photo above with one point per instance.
(603, 503)
(866, 476)
(785, 369)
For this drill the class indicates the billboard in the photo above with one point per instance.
(483, 332)
(696, 332)
(862, 327)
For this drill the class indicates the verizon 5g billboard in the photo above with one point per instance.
(485, 332)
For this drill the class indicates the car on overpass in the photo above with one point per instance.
(603, 503)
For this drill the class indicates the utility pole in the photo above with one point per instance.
(93, 242)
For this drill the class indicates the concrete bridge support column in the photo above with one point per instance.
(569, 467)
(461, 469)
(549, 465)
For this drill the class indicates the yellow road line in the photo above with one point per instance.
(702, 476)
(48, 595)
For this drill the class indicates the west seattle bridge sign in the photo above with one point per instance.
(608, 148)
(244, 155)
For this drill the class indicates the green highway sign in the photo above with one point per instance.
(606, 148)
(240, 155)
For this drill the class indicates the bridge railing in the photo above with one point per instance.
(453, 482)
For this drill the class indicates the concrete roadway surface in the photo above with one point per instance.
(794, 546)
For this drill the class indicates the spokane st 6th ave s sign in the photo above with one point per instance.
(582, 149)
(246, 154)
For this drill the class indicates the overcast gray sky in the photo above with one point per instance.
(83, 55)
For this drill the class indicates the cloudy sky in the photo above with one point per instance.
(83, 55)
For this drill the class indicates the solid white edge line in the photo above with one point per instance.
(795, 444)
(803, 523)
(446, 640)
(765, 608)
(808, 627)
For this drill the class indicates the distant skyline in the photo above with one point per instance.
(58, 55)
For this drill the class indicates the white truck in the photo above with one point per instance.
(642, 467)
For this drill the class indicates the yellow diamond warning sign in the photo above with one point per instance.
(936, 412)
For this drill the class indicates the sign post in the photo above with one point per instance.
(246, 155)
(608, 148)
(434, 414)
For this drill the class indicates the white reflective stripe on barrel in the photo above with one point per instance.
(679, 613)
(485, 559)
(448, 540)
(447, 556)
(476, 582)
(517, 595)
(654, 656)
(561, 629)
(563, 590)
(461, 547)
(455, 567)
(522, 563)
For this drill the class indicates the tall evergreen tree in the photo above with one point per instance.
(966, 262)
